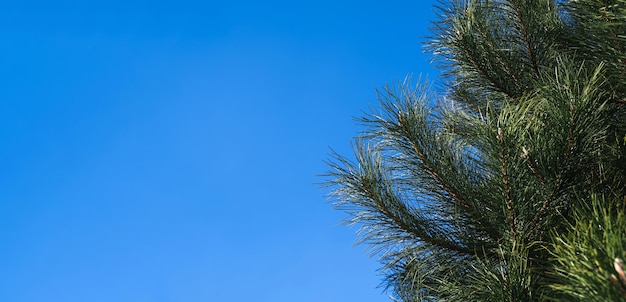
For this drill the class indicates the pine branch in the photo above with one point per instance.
(559, 177)
(533, 166)
(507, 187)
(429, 166)
(406, 227)
(526, 37)
(447, 187)
(496, 53)
(485, 74)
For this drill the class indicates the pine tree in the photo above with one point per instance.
(509, 184)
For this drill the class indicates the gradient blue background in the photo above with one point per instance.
(168, 151)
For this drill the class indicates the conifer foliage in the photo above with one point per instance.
(510, 183)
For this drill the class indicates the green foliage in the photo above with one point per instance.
(585, 256)
(507, 277)
(475, 193)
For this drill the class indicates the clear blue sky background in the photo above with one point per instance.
(168, 151)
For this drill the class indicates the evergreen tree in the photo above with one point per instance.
(510, 183)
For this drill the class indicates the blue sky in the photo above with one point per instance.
(169, 151)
